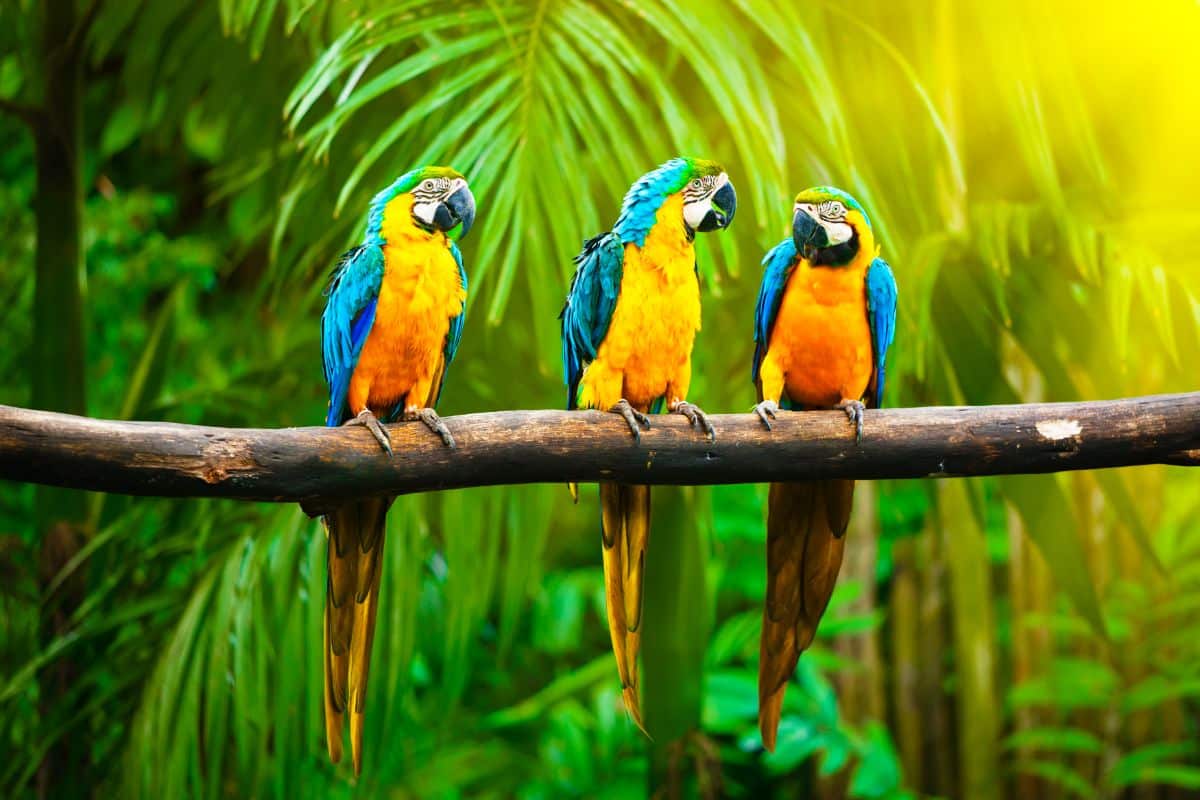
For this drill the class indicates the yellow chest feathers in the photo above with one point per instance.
(654, 324)
(421, 292)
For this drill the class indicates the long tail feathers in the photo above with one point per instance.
(625, 518)
(355, 562)
(806, 523)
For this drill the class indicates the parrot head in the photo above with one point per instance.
(709, 200)
(829, 227)
(443, 201)
(433, 198)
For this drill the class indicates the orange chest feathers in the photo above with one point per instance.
(822, 339)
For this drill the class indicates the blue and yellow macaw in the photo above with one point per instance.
(825, 319)
(631, 317)
(391, 326)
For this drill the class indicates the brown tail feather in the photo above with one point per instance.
(355, 562)
(625, 519)
(806, 523)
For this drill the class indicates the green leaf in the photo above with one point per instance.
(1063, 740)
(1060, 775)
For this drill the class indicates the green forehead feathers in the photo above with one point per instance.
(699, 168)
(822, 194)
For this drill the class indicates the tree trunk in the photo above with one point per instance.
(674, 638)
(59, 351)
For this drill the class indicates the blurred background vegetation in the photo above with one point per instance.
(175, 182)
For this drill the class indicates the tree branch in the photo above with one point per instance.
(317, 465)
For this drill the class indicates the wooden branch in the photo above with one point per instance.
(316, 465)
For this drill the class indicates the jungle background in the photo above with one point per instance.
(176, 180)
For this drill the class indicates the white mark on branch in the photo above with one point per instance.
(1055, 429)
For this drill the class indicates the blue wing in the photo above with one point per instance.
(349, 313)
(454, 335)
(881, 313)
(770, 294)
(590, 304)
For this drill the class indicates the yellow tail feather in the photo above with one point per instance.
(625, 522)
(355, 563)
(806, 525)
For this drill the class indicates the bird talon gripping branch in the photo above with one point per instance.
(635, 419)
(433, 422)
(766, 411)
(696, 417)
(854, 412)
(368, 420)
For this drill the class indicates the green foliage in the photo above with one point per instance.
(1043, 251)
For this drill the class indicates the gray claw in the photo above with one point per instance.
(697, 418)
(435, 424)
(765, 409)
(635, 419)
(854, 411)
(368, 420)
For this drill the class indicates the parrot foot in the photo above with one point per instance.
(854, 410)
(696, 417)
(634, 418)
(765, 409)
(368, 420)
(432, 421)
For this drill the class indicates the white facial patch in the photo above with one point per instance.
(696, 208)
(838, 232)
(424, 211)
(695, 212)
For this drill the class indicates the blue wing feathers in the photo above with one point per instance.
(589, 307)
(346, 322)
(881, 313)
(777, 262)
(454, 335)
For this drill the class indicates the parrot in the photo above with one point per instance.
(393, 319)
(824, 320)
(628, 325)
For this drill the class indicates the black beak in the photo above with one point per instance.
(807, 234)
(724, 206)
(457, 210)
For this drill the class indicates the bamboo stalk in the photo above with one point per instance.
(938, 743)
(904, 626)
(974, 645)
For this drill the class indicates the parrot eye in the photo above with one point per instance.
(427, 185)
(832, 210)
(695, 183)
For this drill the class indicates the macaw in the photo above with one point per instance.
(628, 325)
(391, 326)
(825, 319)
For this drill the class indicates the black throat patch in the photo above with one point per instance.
(837, 256)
